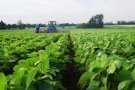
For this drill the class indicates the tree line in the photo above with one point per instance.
(21, 25)
(94, 22)
(126, 22)
(66, 25)
(97, 22)
(121, 23)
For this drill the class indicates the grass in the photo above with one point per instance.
(119, 26)
(106, 29)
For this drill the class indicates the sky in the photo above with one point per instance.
(65, 11)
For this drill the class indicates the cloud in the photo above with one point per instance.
(77, 11)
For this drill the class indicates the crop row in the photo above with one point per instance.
(106, 61)
(41, 70)
(14, 47)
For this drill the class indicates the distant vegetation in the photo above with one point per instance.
(2, 25)
(121, 23)
(21, 25)
(94, 22)
(63, 25)
(126, 22)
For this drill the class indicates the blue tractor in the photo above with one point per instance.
(52, 26)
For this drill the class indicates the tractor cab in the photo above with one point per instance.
(52, 26)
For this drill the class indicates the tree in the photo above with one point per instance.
(125, 22)
(109, 23)
(96, 21)
(2, 25)
(20, 25)
(8, 26)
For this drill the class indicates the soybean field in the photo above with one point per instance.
(83, 59)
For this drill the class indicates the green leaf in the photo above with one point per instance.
(105, 63)
(127, 65)
(86, 55)
(59, 86)
(45, 76)
(37, 62)
(3, 81)
(77, 59)
(104, 57)
(131, 86)
(102, 88)
(30, 77)
(123, 85)
(32, 87)
(24, 62)
(123, 75)
(130, 50)
(133, 74)
(104, 81)
(84, 77)
(19, 76)
(57, 54)
(44, 61)
(6, 52)
(33, 54)
(46, 85)
(32, 61)
(78, 52)
(118, 63)
(100, 54)
(93, 85)
(95, 66)
(111, 68)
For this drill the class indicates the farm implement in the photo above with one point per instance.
(52, 28)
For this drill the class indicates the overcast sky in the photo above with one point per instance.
(76, 11)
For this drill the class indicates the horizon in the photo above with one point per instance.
(71, 11)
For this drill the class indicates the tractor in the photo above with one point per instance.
(52, 28)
